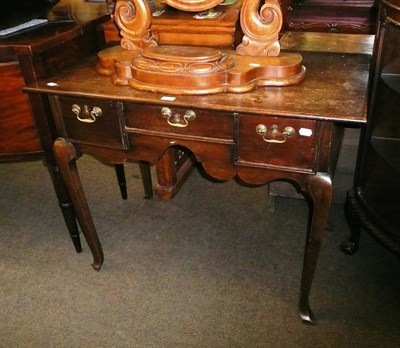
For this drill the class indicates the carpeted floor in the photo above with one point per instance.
(211, 268)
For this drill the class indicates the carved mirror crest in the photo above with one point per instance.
(141, 62)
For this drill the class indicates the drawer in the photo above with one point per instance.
(179, 122)
(284, 143)
(90, 121)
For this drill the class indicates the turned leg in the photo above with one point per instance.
(66, 160)
(45, 127)
(145, 172)
(319, 187)
(66, 207)
(120, 171)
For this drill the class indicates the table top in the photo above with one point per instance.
(334, 89)
(327, 42)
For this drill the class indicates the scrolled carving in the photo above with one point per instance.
(189, 68)
(178, 69)
(133, 18)
(261, 27)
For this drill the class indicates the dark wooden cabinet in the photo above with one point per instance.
(374, 202)
(337, 16)
(73, 31)
(70, 34)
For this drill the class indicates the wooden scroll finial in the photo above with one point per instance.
(133, 17)
(260, 27)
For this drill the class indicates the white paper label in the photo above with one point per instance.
(305, 132)
(168, 98)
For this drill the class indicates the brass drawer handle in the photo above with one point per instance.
(175, 120)
(274, 135)
(89, 116)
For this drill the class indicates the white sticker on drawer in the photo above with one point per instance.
(305, 132)
(167, 98)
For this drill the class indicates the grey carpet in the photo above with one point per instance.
(211, 268)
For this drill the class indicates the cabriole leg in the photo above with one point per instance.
(319, 187)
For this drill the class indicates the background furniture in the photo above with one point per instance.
(337, 16)
(73, 31)
(374, 201)
(22, 11)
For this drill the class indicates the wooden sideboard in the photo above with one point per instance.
(232, 135)
(71, 33)
(335, 16)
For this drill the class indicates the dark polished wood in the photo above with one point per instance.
(244, 136)
(334, 16)
(72, 32)
(374, 201)
(328, 42)
(22, 11)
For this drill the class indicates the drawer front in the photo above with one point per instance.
(180, 122)
(283, 143)
(90, 121)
